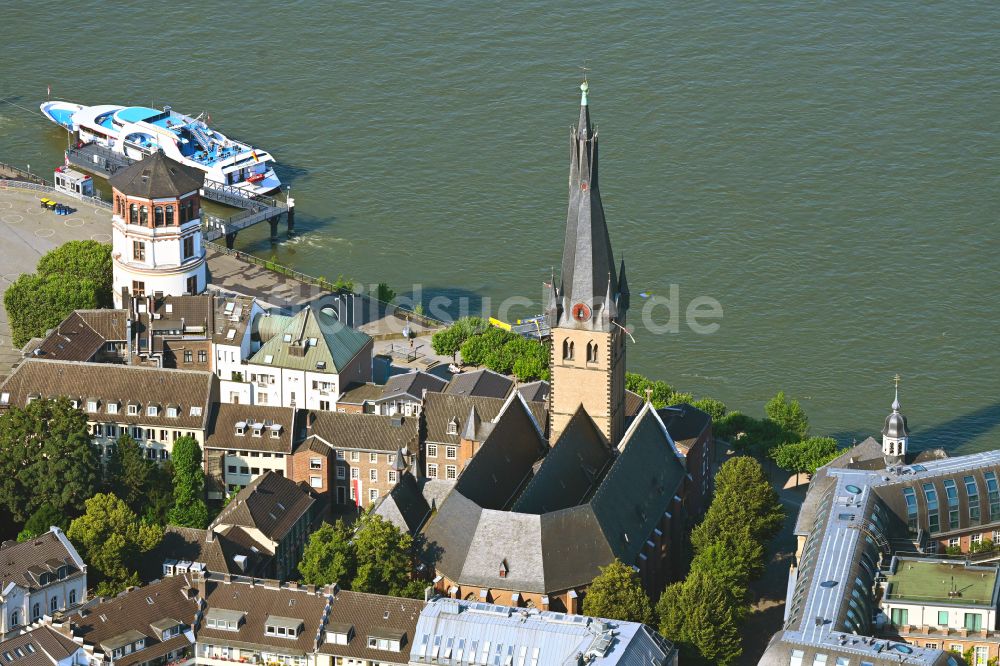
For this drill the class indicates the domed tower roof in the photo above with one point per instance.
(895, 424)
(157, 176)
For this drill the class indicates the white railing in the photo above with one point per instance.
(24, 185)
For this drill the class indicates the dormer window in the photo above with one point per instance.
(282, 627)
(173, 411)
(133, 409)
(503, 569)
(385, 640)
(275, 431)
(4, 398)
(152, 410)
(112, 408)
(257, 431)
(453, 426)
(91, 406)
(241, 428)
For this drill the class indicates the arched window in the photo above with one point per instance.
(72, 597)
(572, 350)
(133, 214)
(170, 215)
(15, 619)
(591, 352)
(143, 216)
(120, 205)
(565, 349)
(158, 216)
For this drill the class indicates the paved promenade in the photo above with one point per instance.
(30, 231)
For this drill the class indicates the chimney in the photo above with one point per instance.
(209, 536)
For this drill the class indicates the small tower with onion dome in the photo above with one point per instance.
(895, 432)
(156, 229)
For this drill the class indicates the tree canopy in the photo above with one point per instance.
(805, 456)
(44, 518)
(144, 485)
(74, 276)
(329, 556)
(789, 416)
(112, 539)
(701, 619)
(662, 394)
(499, 350)
(189, 508)
(616, 594)
(46, 458)
(448, 341)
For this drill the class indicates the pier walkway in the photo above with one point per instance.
(255, 208)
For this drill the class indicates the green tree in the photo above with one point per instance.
(714, 408)
(82, 260)
(385, 557)
(789, 416)
(329, 556)
(112, 539)
(37, 303)
(533, 363)
(702, 619)
(45, 458)
(129, 472)
(45, 517)
(733, 560)
(448, 341)
(805, 456)
(189, 508)
(385, 293)
(616, 594)
(744, 498)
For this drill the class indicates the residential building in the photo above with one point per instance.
(156, 229)
(359, 398)
(482, 383)
(38, 578)
(455, 427)
(305, 359)
(873, 503)
(947, 604)
(356, 458)
(170, 331)
(233, 343)
(245, 441)
(42, 646)
(369, 630)
(155, 406)
(145, 626)
(458, 632)
(186, 550)
(277, 513)
(403, 394)
(97, 336)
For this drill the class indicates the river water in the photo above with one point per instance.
(828, 172)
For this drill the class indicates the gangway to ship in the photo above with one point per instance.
(199, 133)
(255, 208)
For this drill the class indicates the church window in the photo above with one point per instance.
(170, 215)
(15, 619)
(567, 350)
(591, 352)
(158, 216)
(143, 216)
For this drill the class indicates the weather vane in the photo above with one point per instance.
(896, 379)
(584, 69)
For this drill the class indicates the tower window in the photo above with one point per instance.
(568, 350)
(170, 215)
(133, 214)
(139, 250)
(192, 284)
(138, 288)
(158, 216)
(143, 216)
(189, 247)
(591, 352)
(183, 210)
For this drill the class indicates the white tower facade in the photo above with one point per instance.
(895, 432)
(156, 229)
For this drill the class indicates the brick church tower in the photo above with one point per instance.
(588, 303)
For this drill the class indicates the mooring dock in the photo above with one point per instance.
(255, 208)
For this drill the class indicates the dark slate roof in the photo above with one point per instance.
(404, 506)
(571, 471)
(271, 503)
(366, 432)
(535, 391)
(136, 611)
(412, 384)
(192, 545)
(48, 647)
(258, 602)
(685, 423)
(440, 408)
(222, 428)
(503, 465)
(373, 615)
(564, 548)
(107, 382)
(484, 383)
(82, 334)
(157, 176)
(23, 563)
(633, 403)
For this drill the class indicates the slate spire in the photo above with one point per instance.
(588, 277)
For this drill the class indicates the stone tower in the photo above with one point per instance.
(588, 303)
(895, 432)
(156, 229)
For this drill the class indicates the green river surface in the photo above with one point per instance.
(827, 171)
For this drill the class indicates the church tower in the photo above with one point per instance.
(156, 229)
(895, 432)
(588, 303)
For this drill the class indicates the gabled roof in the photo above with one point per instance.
(187, 389)
(192, 545)
(283, 421)
(483, 383)
(157, 176)
(373, 615)
(365, 432)
(309, 341)
(41, 646)
(271, 503)
(23, 563)
(133, 613)
(440, 408)
(81, 335)
(535, 391)
(412, 384)
(404, 506)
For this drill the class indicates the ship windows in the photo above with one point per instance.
(143, 216)
(158, 216)
(133, 214)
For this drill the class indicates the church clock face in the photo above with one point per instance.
(581, 312)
